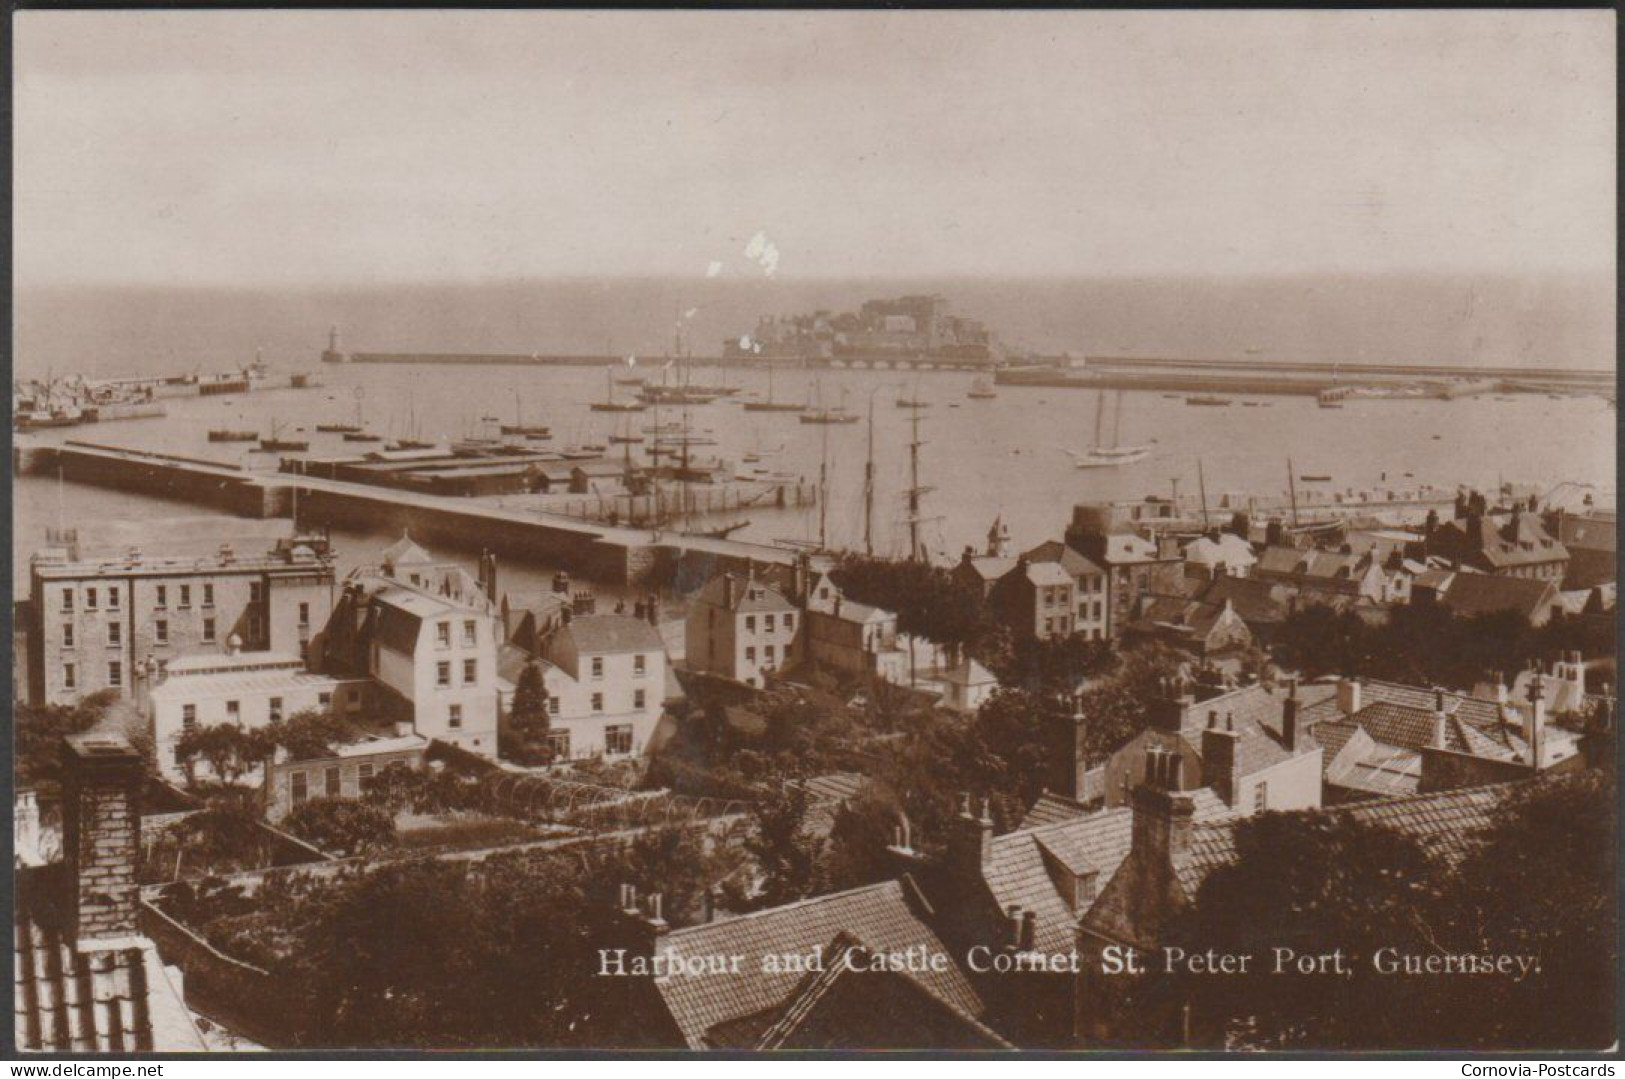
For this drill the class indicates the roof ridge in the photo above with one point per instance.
(797, 905)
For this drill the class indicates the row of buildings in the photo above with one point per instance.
(1227, 588)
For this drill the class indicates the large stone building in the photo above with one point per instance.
(95, 624)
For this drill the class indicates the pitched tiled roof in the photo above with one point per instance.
(1448, 824)
(1024, 865)
(599, 633)
(1052, 808)
(1047, 574)
(819, 987)
(66, 1000)
(885, 917)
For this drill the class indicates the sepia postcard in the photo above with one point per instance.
(973, 532)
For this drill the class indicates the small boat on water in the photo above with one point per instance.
(276, 443)
(1249, 404)
(981, 391)
(409, 444)
(828, 415)
(1208, 400)
(338, 428)
(910, 402)
(630, 440)
(1331, 404)
(362, 436)
(226, 434)
(675, 395)
(1315, 479)
(629, 380)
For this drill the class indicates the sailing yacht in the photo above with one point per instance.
(611, 404)
(770, 405)
(1102, 454)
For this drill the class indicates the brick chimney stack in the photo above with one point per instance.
(1167, 712)
(970, 841)
(1219, 756)
(1440, 719)
(102, 778)
(1162, 813)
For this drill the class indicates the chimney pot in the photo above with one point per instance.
(1029, 931)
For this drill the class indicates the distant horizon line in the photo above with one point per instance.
(1601, 275)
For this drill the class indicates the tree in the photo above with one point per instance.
(864, 828)
(228, 750)
(1538, 882)
(41, 728)
(225, 836)
(311, 734)
(789, 857)
(1543, 883)
(342, 826)
(529, 719)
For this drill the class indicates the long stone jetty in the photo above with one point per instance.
(603, 553)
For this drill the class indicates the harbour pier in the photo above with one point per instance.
(598, 552)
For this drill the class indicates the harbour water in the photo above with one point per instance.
(1004, 457)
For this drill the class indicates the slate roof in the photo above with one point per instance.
(1586, 533)
(750, 595)
(989, 567)
(599, 633)
(1073, 561)
(1047, 574)
(1127, 548)
(1228, 549)
(403, 552)
(1483, 593)
(1589, 568)
(1326, 569)
(1255, 600)
(890, 916)
(115, 1000)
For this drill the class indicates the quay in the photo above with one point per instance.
(1109, 373)
(599, 552)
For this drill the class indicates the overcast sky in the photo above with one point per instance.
(294, 147)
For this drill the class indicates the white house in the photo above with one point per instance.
(605, 676)
(434, 659)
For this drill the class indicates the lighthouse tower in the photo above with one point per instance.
(998, 539)
(332, 353)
